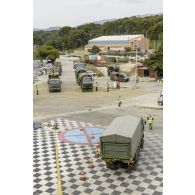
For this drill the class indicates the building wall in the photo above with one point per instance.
(143, 44)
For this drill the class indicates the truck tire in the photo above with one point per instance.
(110, 165)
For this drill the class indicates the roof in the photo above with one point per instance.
(123, 126)
(117, 37)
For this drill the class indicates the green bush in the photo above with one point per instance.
(47, 52)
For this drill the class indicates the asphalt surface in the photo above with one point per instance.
(98, 107)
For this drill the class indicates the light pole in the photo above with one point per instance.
(136, 63)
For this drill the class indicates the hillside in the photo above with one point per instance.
(73, 37)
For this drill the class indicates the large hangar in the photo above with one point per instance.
(119, 42)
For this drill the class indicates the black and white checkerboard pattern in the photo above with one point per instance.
(146, 180)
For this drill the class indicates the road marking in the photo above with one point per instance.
(59, 188)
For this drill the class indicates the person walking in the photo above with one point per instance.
(117, 84)
(119, 101)
(150, 121)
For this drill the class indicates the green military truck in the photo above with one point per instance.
(58, 67)
(120, 143)
(85, 81)
(78, 71)
(53, 73)
(54, 84)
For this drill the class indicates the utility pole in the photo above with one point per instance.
(136, 63)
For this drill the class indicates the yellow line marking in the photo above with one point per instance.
(58, 170)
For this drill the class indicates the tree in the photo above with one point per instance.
(155, 60)
(127, 49)
(95, 49)
(47, 52)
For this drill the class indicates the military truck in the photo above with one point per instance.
(54, 84)
(86, 81)
(112, 69)
(119, 76)
(78, 71)
(52, 73)
(58, 67)
(121, 142)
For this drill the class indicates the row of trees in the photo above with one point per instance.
(45, 52)
(71, 38)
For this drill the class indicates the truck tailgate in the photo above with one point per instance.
(115, 151)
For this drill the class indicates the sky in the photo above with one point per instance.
(50, 13)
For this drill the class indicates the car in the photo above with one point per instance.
(78, 64)
(160, 99)
(91, 73)
(36, 126)
(122, 77)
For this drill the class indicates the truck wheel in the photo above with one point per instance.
(110, 165)
(136, 158)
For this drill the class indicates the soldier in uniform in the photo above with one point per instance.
(150, 120)
(119, 101)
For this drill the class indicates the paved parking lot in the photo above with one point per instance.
(74, 158)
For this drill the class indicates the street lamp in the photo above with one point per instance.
(136, 62)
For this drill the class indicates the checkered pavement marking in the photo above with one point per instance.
(146, 180)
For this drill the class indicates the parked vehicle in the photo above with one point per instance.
(112, 69)
(58, 67)
(86, 81)
(54, 84)
(91, 72)
(78, 71)
(78, 64)
(121, 142)
(36, 126)
(160, 99)
(122, 77)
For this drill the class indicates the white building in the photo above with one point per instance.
(119, 42)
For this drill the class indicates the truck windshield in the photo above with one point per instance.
(87, 79)
(54, 81)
